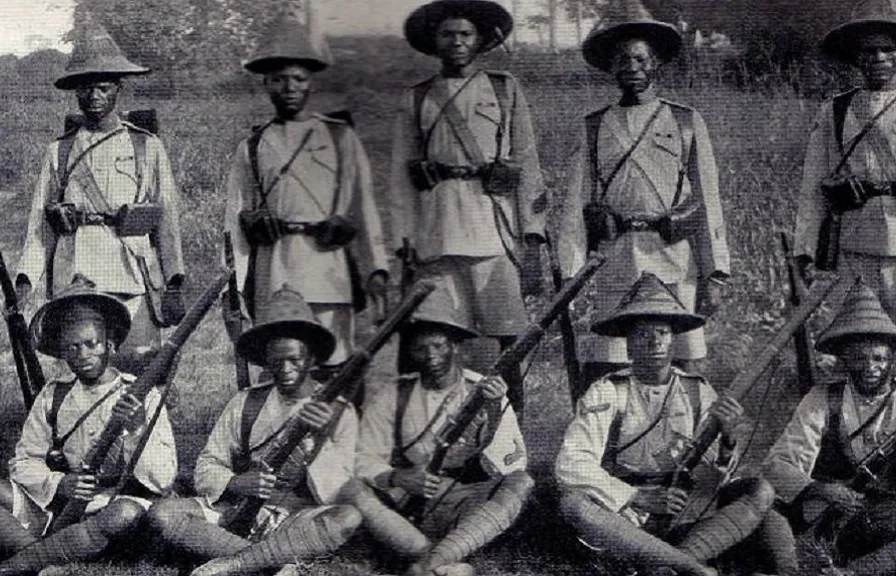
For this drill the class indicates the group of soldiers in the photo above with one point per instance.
(467, 208)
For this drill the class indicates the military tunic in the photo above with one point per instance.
(868, 234)
(456, 227)
(645, 187)
(328, 177)
(35, 485)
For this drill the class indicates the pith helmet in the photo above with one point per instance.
(289, 41)
(78, 300)
(629, 19)
(648, 299)
(439, 311)
(861, 316)
(95, 54)
(868, 17)
(286, 315)
(492, 21)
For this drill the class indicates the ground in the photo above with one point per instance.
(758, 139)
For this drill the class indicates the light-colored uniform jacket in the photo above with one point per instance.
(872, 228)
(97, 252)
(578, 464)
(792, 458)
(328, 177)
(427, 410)
(326, 475)
(456, 218)
(28, 470)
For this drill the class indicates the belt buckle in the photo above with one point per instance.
(638, 225)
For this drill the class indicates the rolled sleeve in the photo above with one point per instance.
(28, 467)
(811, 207)
(711, 242)
(334, 466)
(214, 467)
(376, 439)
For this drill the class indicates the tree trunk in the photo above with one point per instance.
(552, 24)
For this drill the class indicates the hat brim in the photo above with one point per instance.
(267, 64)
(664, 38)
(456, 332)
(115, 315)
(493, 22)
(840, 42)
(832, 344)
(620, 325)
(253, 342)
(72, 80)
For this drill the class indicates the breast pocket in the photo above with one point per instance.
(667, 142)
(489, 111)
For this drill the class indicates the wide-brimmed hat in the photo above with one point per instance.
(285, 315)
(439, 311)
(648, 299)
(868, 17)
(95, 55)
(289, 41)
(70, 304)
(624, 20)
(861, 316)
(492, 21)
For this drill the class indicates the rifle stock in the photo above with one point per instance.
(235, 312)
(241, 517)
(73, 509)
(28, 368)
(803, 347)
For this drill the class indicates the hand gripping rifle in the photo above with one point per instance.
(804, 364)
(31, 375)
(151, 376)
(235, 313)
(455, 425)
(711, 427)
(240, 518)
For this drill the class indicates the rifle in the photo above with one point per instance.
(239, 519)
(73, 509)
(455, 425)
(570, 358)
(408, 266)
(711, 427)
(31, 375)
(235, 313)
(804, 364)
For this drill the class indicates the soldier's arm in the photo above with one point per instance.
(214, 467)
(157, 467)
(334, 466)
(531, 198)
(375, 439)
(817, 164)
(240, 190)
(168, 235)
(402, 198)
(571, 240)
(28, 467)
(39, 237)
(712, 253)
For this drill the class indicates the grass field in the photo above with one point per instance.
(758, 139)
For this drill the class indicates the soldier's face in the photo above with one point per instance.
(85, 349)
(650, 344)
(288, 88)
(868, 363)
(97, 99)
(634, 64)
(457, 42)
(289, 361)
(433, 353)
(876, 59)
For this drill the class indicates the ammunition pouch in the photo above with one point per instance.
(680, 225)
(424, 174)
(601, 224)
(263, 228)
(138, 219)
(173, 308)
(63, 218)
(501, 178)
(846, 193)
(56, 460)
(333, 233)
(604, 225)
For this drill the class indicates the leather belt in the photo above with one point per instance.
(448, 172)
(96, 219)
(637, 225)
(287, 227)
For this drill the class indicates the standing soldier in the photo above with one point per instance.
(106, 205)
(300, 202)
(643, 188)
(299, 518)
(836, 431)
(83, 327)
(846, 217)
(619, 453)
(466, 188)
(438, 519)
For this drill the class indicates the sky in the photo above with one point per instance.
(27, 25)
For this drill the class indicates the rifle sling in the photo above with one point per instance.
(840, 109)
(60, 392)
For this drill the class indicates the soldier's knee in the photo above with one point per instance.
(573, 505)
(119, 516)
(356, 492)
(757, 491)
(166, 513)
(520, 483)
(347, 518)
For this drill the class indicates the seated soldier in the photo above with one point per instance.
(617, 458)
(299, 519)
(83, 327)
(438, 519)
(835, 427)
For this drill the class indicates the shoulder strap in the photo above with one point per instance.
(251, 408)
(252, 148)
(691, 386)
(592, 131)
(835, 410)
(684, 118)
(62, 154)
(402, 397)
(501, 86)
(337, 131)
(419, 91)
(60, 391)
(840, 104)
(138, 141)
(611, 447)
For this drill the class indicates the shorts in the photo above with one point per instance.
(269, 518)
(443, 512)
(485, 291)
